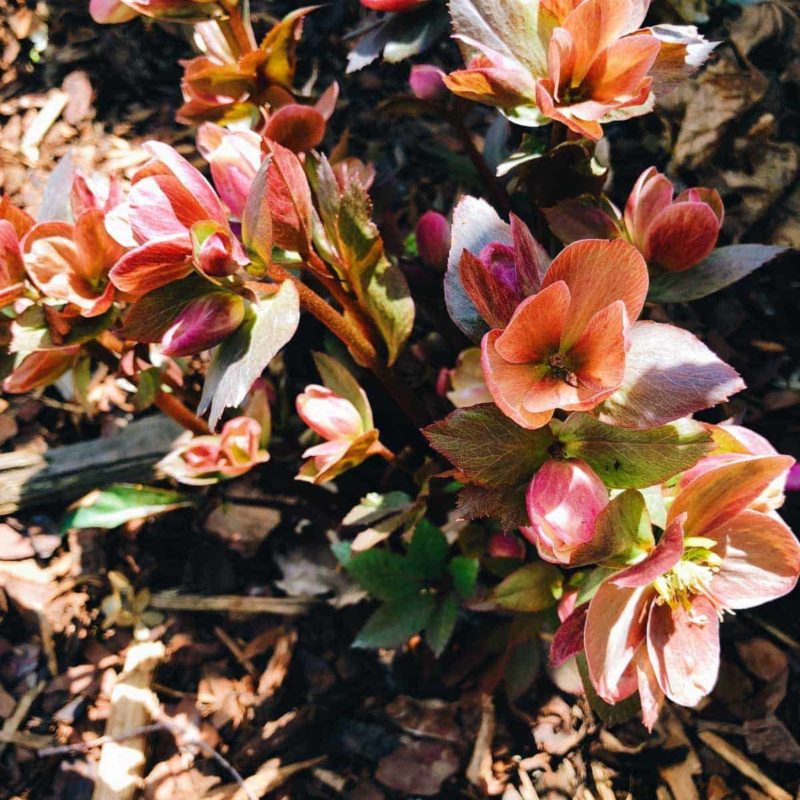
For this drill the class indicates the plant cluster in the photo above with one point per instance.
(601, 511)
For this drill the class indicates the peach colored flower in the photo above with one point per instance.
(349, 437)
(565, 346)
(208, 459)
(581, 62)
(179, 224)
(655, 625)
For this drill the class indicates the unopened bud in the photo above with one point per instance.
(433, 240)
(427, 83)
(204, 323)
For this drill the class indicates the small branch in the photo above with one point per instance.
(362, 350)
(175, 409)
(495, 189)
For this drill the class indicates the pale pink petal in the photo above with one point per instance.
(760, 560)
(683, 645)
(650, 695)
(651, 194)
(615, 627)
(161, 206)
(328, 414)
(721, 494)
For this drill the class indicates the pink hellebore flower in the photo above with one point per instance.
(581, 62)
(113, 11)
(433, 240)
(71, 263)
(349, 438)
(179, 224)
(427, 83)
(565, 346)
(564, 500)
(672, 234)
(14, 224)
(208, 459)
(505, 545)
(655, 625)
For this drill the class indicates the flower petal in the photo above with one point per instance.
(662, 558)
(510, 385)
(615, 627)
(681, 236)
(154, 264)
(568, 639)
(650, 695)
(712, 499)
(598, 273)
(760, 560)
(534, 332)
(683, 645)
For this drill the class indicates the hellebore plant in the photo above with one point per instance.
(593, 497)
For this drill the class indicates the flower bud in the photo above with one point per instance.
(204, 323)
(433, 240)
(216, 252)
(563, 500)
(328, 414)
(499, 259)
(506, 545)
(427, 83)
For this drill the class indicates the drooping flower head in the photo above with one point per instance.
(179, 224)
(672, 233)
(14, 224)
(350, 437)
(581, 62)
(208, 459)
(654, 626)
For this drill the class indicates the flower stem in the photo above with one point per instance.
(495, 189)
(362, 350)
(166, 402)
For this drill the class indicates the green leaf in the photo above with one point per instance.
(522, 668)
(374, 507)
(624, 525)
(441, 624)
(591, 583)
(488, 447)
(393, 623)
(379, 285)
(464, 572)
(343, 552)
(257, 221)
(339, 379)
(385, 575)
(427, 551)
(120, 503)
(724, 266)
(629, 458)
(533, 587)
(610, 714)
(268, 325)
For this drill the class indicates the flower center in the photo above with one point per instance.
(690, 577)
(560, 368)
